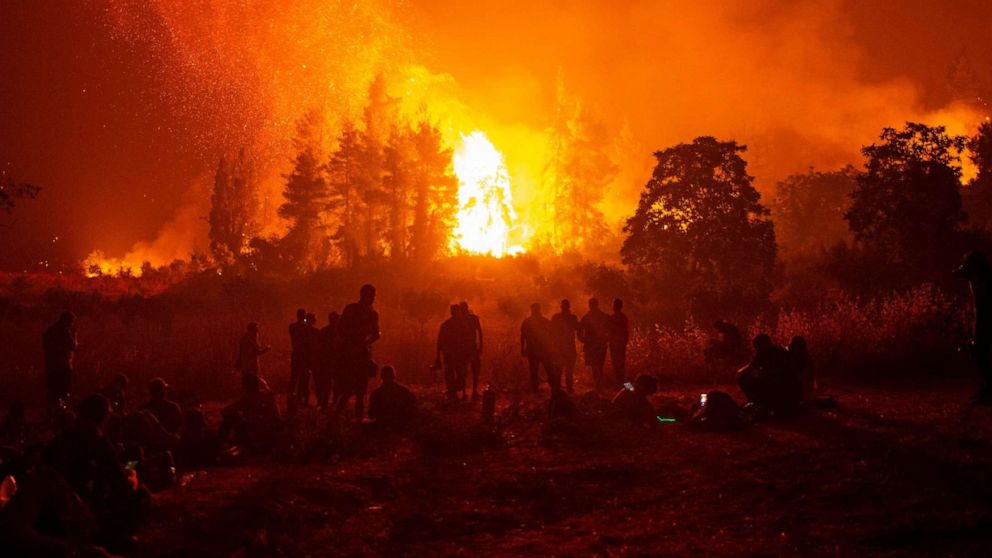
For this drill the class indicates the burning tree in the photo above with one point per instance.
(308, 196)
(233, 209)
(700, 239)
(978, 194)
(579, 171)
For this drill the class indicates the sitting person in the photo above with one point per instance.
(392, 403)
(198, 446)
(251, 422)
(770, 381)
(633, 404)
(168, 412)
(729, 345)
(87, 461)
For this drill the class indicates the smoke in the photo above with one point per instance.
(789, 79)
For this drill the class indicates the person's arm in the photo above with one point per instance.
(478, 328)
(376, 334)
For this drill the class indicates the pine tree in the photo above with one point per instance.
(343, 170)
(435, 193)
(308, 197)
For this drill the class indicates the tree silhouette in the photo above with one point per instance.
(435, 193)
(233, 209)
(906, 211)
(700, 239)
(12, 191)
(978, 194)
(308, 196)
(343, 169)
(808, 209)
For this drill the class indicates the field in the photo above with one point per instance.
(894, 470)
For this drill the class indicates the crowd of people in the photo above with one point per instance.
(88, 488)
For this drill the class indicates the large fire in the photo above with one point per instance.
(485, 204)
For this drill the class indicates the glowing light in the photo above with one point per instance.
(97, 264)
(485, 205)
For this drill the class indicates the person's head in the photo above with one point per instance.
(120, 382)
(454, 309)
(333, 318)
(463, 306)
(388, 374)
(94, 410)
(252, 328)
(367, 293)
(617, 305)
(566, 306)
(249, 383)
(762, 342)
(594, 304)
(301, 315)
(67, 318)
(535, 309)
(645, 384)
(798, 345)
(157, 388)
(311, 318)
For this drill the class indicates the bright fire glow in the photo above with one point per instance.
(485, 205)
(97, 264)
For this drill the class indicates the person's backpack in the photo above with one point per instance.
(716, 412)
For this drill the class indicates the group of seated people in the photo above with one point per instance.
(90, 486)
(774, 382)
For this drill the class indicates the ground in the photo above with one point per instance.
(891, 471)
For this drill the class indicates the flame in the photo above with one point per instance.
(97, 263)
(485, 204)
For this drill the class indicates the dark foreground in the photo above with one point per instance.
(899, 471)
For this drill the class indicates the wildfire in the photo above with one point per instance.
(485, 204)
(97, 264)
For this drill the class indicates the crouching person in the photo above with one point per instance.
(87, 461)
(770, 381)
(631, 402)
(391, 405)
(252, 422)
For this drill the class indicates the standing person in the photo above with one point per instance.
(249, 349)
(59, 344)
(452, 352)
(311, 342)
(564, 326)
(473, 329)
(535, 344)
(298, 358)
(328, 359)
(619, 338)
(594, 333)
(359, 329)
(976, 270)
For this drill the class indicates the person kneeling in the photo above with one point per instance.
(392, 404)
(770, 381)
(631, 402)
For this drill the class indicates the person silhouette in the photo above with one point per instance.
(328, 359)
(359, 329)
(392, 404)
(298, 357)
(770, 381)
(975, 268)
(473, 334)
(620, 336)
(59, 344)
(535, 344)
(168, 412)
(594, 333)
(249, 349)
(453, 352)
(564, 326)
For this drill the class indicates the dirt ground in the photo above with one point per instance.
(894, 471)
